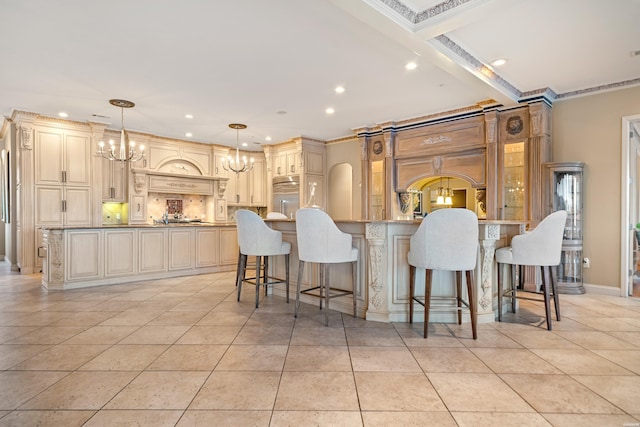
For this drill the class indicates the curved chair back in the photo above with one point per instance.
(447, 239)
(541, 246)
(320, 240)
(256, 238)
(276, 215)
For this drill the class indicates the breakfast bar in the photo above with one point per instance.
(382, 287)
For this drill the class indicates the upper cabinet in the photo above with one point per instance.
(248, 188)
(219, 158)
(114, 180)
(287, 162)
(62, 156)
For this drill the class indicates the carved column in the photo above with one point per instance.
(364, 161)
(377, 299)
(25, 193)
(489, 235)
(493, 186)
(53, 267)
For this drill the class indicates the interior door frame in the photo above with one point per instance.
(628, 183)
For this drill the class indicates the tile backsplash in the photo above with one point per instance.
(193, 206)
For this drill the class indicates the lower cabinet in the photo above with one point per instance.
(153, 250)
(181, 248)
(90, 257)
(207, 254)
(120, 247)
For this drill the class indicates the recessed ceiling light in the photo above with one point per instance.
(268, 138)
(188, 116)
(411, 66)
(188, 134)
(339, 89)
(63, 114)
(499, 62)
(244, 144)
(330, 110)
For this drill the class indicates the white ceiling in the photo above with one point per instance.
(250, 60)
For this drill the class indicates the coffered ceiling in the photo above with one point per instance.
(274, 64)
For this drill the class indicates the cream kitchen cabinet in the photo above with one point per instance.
(152, 256)
(114, 180)
(138, 209)
(287, 163)
(258, 183)
(219, 159)
(120, 247)
(86, 246)
(207, 254)
(181, 248)
(228, 246)
(62, 206)
(62, 156)
(248, 188)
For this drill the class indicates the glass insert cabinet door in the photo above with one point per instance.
(565, 180)
(513, 181)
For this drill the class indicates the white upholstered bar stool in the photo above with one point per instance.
(446, 240)
(255, 238)
(540, 247)
(321, 241)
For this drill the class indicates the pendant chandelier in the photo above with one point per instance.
(234, 165)
(444, 197)
(126, 152)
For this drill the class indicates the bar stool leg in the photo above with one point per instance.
(412, 286)
(321, 283)
(427, 299)
(354, 282)
(258, 271)
(554, 289)
(286, 267)
(265, 280)
(300, 270)
(459, 295)
(500, 267)
(242, 265)
(326, 297)
(516, 277)
(547, 303)
(471, 290)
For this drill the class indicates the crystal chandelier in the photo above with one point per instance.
(234, 165)
(127, 151)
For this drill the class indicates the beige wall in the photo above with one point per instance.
(588, 129)
(348, 152)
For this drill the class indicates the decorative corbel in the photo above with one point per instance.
(139, 181)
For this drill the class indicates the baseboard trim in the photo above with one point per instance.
(602, 290)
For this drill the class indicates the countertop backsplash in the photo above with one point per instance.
(193, 206)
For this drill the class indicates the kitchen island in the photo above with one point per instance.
(382, 285)
(90, 256)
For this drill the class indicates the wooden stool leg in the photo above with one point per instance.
(427, 299)
(326, 297)
(516, 277)
(242, 265)
(471, 290)
(412, 287)
(265, 269)
(459, 295)
(500, 266)
(321, 284)
(286, 267)
(354, 281)
(554, 289)
(547, 303)
(258, 266)
(300, 270)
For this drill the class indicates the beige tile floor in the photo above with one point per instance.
(184, 352)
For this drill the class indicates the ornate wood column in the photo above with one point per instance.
(25, 186)
(377, 291)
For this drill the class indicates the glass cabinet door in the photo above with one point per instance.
(513, 181)
(567, 196)
(565, 187)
